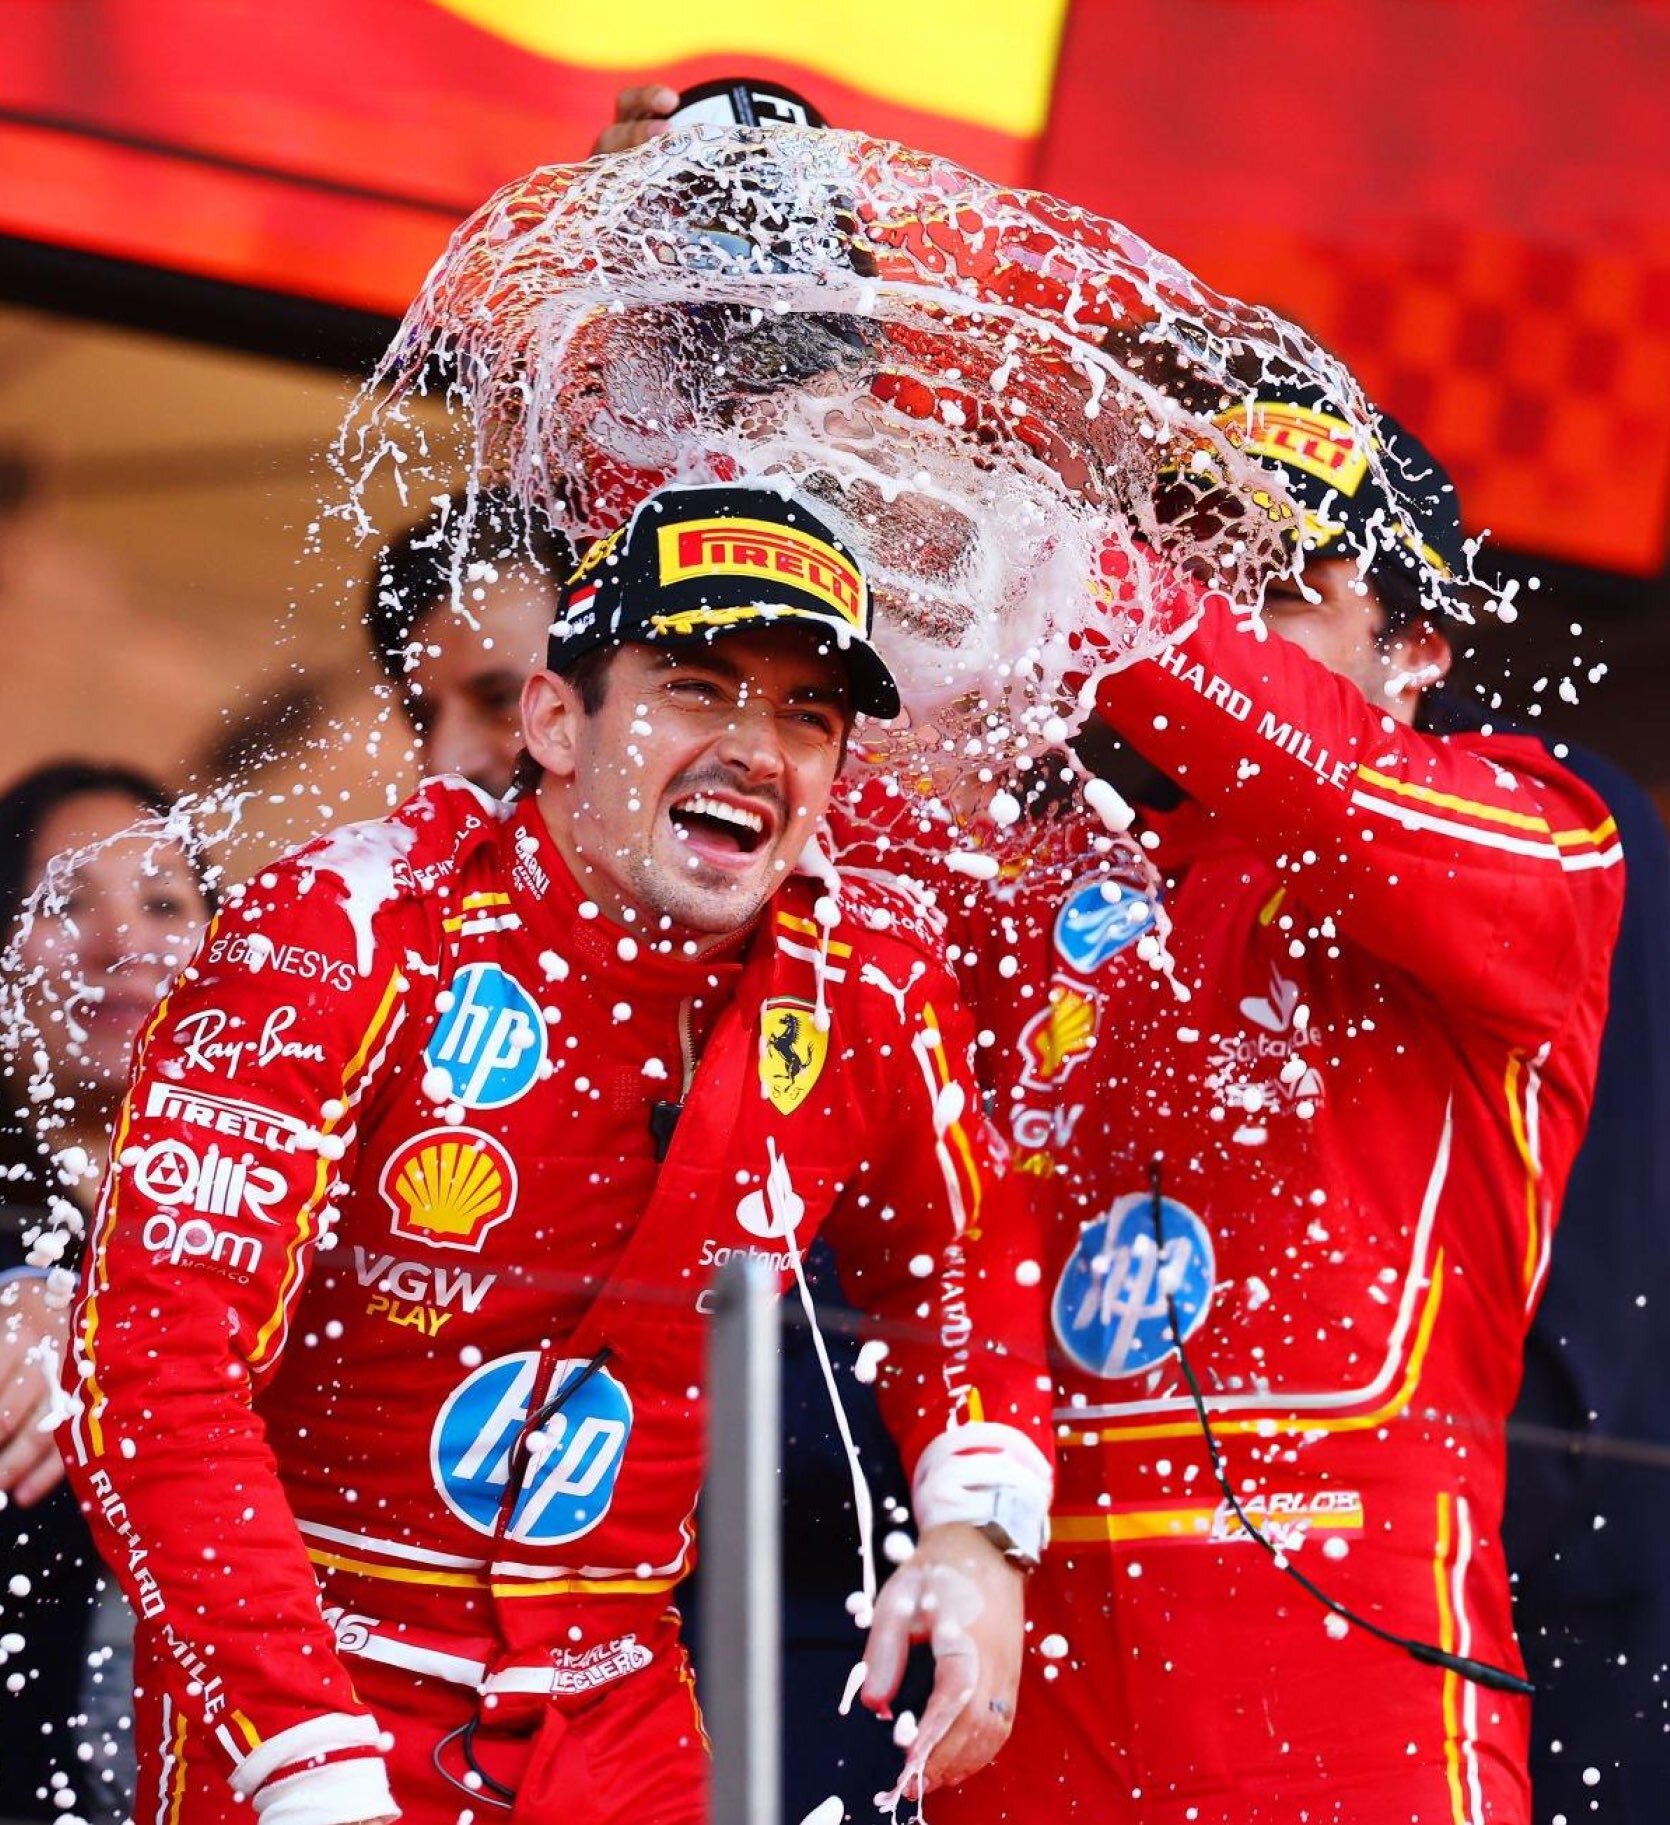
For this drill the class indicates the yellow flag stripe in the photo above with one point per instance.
(993, 64)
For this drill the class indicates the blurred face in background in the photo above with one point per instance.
(121, 922)
(465, 690)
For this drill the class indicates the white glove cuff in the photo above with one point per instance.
(984, 1473)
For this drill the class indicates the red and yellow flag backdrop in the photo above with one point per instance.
(1469, 200)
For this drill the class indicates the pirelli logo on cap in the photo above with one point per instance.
(758, 549)
(1313, 441)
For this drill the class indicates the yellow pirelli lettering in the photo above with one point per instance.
(773, 555)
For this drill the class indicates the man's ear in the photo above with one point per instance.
(1421, 650)
(551, 716)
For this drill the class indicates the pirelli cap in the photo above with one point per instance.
(1343, 507)
(699, 563)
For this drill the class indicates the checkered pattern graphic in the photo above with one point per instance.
(1540, 376)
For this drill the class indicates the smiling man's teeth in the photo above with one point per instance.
(703, 806)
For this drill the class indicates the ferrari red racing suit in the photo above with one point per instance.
(1315, 1092)
(389, 1354)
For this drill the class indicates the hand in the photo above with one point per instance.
(33, 1339)
(640, 115)
(959, 1593)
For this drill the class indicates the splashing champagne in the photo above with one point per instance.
(993, 395)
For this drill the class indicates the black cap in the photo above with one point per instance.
(744, 101)
(1343, 506)
(698, 563)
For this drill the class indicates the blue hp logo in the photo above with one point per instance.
(1109, 1309)
(1097, 921)
(491, 1041)
(569, 1475)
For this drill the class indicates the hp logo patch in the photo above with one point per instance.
(491, 1041)
(1097, 920)
(1109, 1310)
(573, 1462)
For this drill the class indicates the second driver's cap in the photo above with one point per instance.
(696, 563)
(744, 101)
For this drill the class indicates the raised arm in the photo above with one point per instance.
(240, 1120)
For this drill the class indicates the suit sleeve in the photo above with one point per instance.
(238, 1125)
(941, 1251)
(1478, 865)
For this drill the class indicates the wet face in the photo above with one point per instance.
(1336, 617)
(119, 927)
(689, 793)
(465, 693)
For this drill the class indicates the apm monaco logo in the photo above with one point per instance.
(449, 1187)
(738, 548)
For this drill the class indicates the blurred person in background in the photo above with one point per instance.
(85, 965)
(456, 631)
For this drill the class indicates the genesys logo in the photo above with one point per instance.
(254, 952)
(212, 1182)
(489, 1039)
(225, 1115)
(449, 1187)
(565, 1481)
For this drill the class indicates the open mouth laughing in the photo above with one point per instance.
(721, 827)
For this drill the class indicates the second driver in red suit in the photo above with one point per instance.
(1306, 1103)
(390, 1349)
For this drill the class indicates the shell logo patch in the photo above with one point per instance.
(792, 1052)
(449, 1187)
(1055, 1039)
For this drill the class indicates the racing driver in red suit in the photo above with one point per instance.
(1307, 1100)
(389, 1351)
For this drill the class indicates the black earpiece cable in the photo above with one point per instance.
(1480, 1672)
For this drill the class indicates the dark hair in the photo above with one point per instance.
(589, 675)
(417, 570)
(29, 802)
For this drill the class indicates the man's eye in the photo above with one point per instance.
(702, 690)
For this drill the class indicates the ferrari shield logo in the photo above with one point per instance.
(792, 1050)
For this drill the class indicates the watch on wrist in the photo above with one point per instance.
(1014, 1529)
